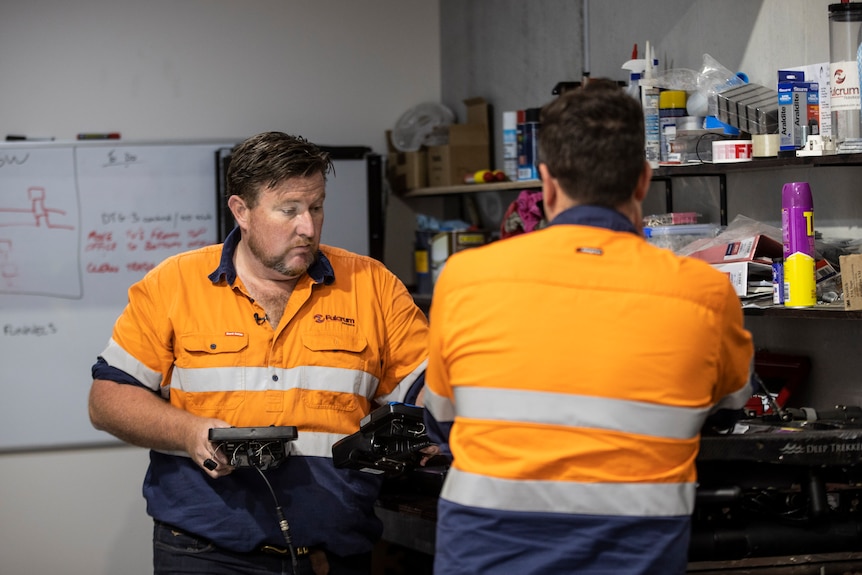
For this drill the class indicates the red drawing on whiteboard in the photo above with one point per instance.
(38, 214)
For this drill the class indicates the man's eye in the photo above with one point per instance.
(316, 209)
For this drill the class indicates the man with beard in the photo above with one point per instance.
(270, 328)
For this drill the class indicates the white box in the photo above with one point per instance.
(740, 273)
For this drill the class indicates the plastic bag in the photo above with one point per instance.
(712, 79)
(674, 79)
(740, 228)
(701, 86)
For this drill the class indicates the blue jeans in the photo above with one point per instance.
(176, 552)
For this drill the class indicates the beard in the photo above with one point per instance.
(277, 262)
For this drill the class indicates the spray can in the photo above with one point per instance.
(510, 145)
(797, 230)
(528, 147)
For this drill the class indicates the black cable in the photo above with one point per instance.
(711, 137)
(282, 523)
(254, 458)
(773, 403)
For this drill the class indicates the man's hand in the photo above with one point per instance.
(428, 453)
(213, 461)
(141, 417)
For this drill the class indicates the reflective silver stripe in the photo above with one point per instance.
(737, 399)
(642, 418)
(274, 378)
(440, 407)
(403, 386)
(118, 357)
(620, 499)
(314, 443)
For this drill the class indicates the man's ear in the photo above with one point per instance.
(239, 209)
(550, 192)
(643, 183)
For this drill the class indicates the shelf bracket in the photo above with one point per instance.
(722, 192)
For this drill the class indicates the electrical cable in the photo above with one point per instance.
(709, 136)
(282, 523)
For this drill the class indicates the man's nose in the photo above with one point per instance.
(305, 224)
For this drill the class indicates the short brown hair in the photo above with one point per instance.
(592, 140)
(269, 158)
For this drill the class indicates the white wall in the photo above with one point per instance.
(336, 71)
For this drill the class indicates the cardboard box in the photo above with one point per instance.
(468, 149)
(743, 261)
(819, 74)
(799, 113)
(851, 280)
(758, 248)
(405, 170)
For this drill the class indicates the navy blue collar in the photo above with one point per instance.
(320, 271)
(595, 216)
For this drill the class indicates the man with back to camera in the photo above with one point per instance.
(270, 328)
(575, 366)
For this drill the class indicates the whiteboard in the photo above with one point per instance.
(79, 223)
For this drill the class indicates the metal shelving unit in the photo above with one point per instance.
(472, 188)
(667, 174)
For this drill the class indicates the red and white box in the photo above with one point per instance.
(725, 151)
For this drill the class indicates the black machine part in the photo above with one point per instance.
(388, 441)
(789, 483)
(260, 447)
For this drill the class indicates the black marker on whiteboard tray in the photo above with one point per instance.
(99, 136)
(22, 138)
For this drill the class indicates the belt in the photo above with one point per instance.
(284, 551)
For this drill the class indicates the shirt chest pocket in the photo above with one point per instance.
(346, 351)
(203, 382)
(202, 350)
(336, 371)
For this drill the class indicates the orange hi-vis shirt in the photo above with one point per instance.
(350, 338)
(336, 351)
(576, 365)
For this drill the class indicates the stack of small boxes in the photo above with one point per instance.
(750, 107)
(467, 149)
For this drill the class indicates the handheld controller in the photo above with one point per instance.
(260, 447)
(388, 441)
